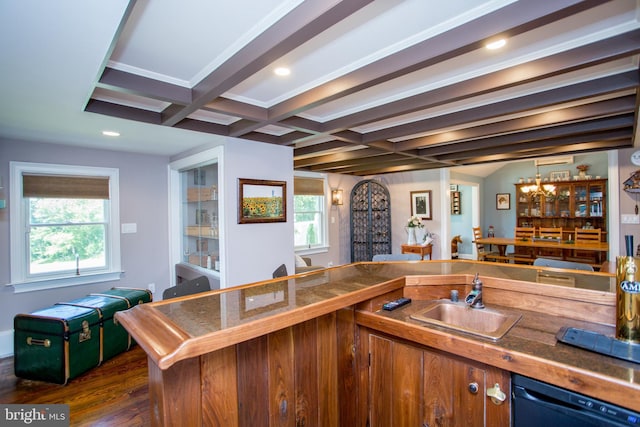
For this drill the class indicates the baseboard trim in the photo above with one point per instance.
(6, 343)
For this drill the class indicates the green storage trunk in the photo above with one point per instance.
(133, 295)
(114, 339)
(57, 343)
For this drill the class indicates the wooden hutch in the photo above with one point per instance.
(574, 204)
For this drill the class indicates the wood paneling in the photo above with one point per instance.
(165, 385)
(253, 386)
(220, 388)
(347, 367)
(281, 378)
(290, 377)
(327, 371)
(306, 372)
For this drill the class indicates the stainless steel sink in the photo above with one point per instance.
(487, 322)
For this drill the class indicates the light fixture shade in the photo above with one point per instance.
(336, 197)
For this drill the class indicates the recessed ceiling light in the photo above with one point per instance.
(110, 133)
(496, 44)
(282, 71)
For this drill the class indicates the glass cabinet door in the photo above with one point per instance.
(596, 200)
(522, 204)
(563, 198)
(200, 239)
(581, 204)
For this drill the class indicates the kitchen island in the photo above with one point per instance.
(295, 350)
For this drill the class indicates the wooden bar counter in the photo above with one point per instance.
(289, 351)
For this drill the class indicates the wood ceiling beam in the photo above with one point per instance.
(306, 21)
(363, 162)
(405, 167)
(487, 148)
(123, 111)
(586, 56)
(550, 119)
(124, 82)
(508, 21)
(319, 148)
(579, 148)
(578, 91)
(202, 126)
(336, 157)
(599, 124)
(238, 109)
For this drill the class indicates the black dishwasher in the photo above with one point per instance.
(538, 404)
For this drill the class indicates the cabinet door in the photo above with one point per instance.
(413, 386)
(200, 222)
(523, 202)
(597, 198)
(563, 198)
(395, 387)
(455, 392)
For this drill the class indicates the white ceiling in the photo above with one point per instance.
(56, 52)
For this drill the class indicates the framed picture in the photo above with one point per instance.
(421, 204)
(559, 176)
(261, 201)
(503, 201)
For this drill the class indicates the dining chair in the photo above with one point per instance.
(556, 263)
(483, 254)
(522, 254)
(586, 236)
(550, 233)
(187, 287)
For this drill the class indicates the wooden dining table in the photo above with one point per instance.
(565, 246)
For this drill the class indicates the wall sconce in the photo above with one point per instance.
(336, 197)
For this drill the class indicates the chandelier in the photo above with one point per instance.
(538, 189)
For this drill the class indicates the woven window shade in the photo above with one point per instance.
(303, 186)
(65, 187)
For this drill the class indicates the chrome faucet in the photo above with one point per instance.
(474, 299)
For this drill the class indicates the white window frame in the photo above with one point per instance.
(18, 213)
(324, 246)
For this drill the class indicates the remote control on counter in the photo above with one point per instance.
(392, 305)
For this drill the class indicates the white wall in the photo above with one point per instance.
(254, 251)
(143, 201)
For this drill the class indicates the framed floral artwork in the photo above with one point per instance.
(261, 201)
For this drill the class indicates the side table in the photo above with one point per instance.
(417, 249)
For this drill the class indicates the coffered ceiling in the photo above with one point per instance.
(374, 86)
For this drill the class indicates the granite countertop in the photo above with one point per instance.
(529, 348)
(239, 306)
(174, 330)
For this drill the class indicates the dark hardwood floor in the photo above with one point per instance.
(113, 394)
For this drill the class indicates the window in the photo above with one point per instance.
(309, 212)
(64, 225)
